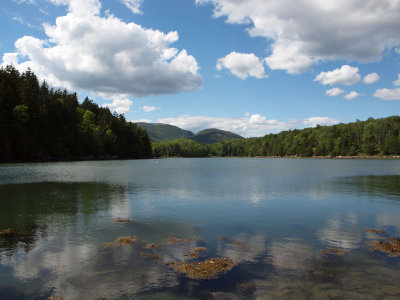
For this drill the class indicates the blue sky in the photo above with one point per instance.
(251, 67)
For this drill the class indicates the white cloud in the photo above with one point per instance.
(133, 5)
(313, 31)
(22, 21)
(251, 125)
(345, 75)
(397, 50)
(242, 65)
(107, 56)
(352, 95)
(371, 78)
(24, 1)
(149, 108)
(334, 92)
(388, 94)
(397, 82)
(119, 104)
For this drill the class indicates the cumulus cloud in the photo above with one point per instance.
(333, 92)
(242, 65)
(149, 108)
(388, 94)
(352, 95)
(249, 125)
(371, 78)
(300, 35)
(345, 75)
(397, 82)
(119, 104)
(107, 56)
(133, 5)
(397, 50)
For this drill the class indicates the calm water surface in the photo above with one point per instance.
(271, 217)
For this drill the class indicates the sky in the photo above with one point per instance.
(252, 67)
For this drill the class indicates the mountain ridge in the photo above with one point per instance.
(160, 132)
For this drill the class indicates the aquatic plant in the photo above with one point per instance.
(209, 269)
(377, 231)
(120, 220)
(8, 232)
(176, 240)
(334, 251)
(151, 246)
(390, 246)
(199, 249)
(238, 243)
(123, 241)
(195, 252)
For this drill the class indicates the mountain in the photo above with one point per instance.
(213, 135)
(159, 132)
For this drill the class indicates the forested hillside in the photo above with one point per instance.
(159, 132)
(40, 123)
(371, 137)
(213, 135)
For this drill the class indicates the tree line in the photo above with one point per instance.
(40, 123)
(370, 137)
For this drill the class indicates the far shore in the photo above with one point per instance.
(47, 160)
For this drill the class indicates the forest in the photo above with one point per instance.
(361, 138)
(39, 123)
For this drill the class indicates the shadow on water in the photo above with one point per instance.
(372, 186)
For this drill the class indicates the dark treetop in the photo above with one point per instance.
(40, 123)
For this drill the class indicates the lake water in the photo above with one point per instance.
(269, 220)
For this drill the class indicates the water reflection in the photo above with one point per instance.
(265, 220)
(372, 186)
(341, 232)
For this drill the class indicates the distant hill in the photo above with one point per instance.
(159, 132)
(213, 135)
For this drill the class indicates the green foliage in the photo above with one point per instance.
(39, 123)
(371, 137)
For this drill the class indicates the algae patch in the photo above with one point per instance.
(8, 232)
(176, 240)
(334, 251)
(196, 252)
(123, 241)
(377, 231)
(233, 241)
(389, 245)
(120, 220)
(208, 269)
(151, 246)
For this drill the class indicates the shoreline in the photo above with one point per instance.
(49, 160)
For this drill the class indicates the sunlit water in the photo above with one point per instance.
(271, 217)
